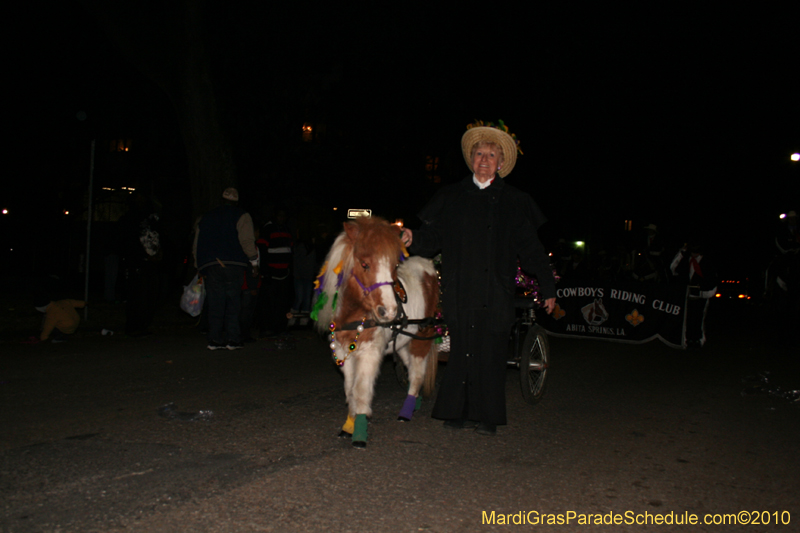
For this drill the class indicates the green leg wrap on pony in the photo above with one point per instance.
(360, 430)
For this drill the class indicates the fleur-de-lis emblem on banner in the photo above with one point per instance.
(634, 318)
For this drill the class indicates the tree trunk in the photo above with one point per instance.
(165, 42)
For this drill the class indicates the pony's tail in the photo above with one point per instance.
(431, 365)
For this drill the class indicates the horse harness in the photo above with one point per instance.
(398, 326)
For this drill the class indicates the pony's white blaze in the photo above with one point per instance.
(385, 304)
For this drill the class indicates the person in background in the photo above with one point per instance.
(690, 265)
(648, 257)
(305, 268)
(577, 269)
(277, 240)
(785, 278)
(140, 243)
(251, 287)
(224, 247)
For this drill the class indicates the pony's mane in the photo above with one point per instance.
(340, 253)
(373, 233)
(377, 238)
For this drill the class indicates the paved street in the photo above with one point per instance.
(622, 429)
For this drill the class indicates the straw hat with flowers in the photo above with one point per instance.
(491, 133)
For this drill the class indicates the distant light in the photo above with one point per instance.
(308, 135)
(579, 243)
(782, 216)
(795, 157)
(66, 212)
(5, 211)
(335, 208)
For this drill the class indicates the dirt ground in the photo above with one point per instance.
(249, 442)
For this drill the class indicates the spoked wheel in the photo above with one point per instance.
(533, 364)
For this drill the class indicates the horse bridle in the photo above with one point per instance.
(372, 287)
(399, 324)
(397, 285)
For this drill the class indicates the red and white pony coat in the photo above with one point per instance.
(359, 285)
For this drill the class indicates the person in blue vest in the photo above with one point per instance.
(224, 247)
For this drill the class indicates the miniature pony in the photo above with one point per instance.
(368, 292)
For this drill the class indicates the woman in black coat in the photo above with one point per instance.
(481, 226)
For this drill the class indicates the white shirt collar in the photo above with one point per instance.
(482, 185)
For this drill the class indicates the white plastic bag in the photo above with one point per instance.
(193, 296)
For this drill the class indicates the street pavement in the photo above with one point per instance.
(158, 434)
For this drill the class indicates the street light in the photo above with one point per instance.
(795, 157)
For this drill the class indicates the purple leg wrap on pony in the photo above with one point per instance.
(408, 408)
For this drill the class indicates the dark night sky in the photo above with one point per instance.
(685, 118)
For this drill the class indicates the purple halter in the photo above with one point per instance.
(372, 287)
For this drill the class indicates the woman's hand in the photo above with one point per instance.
(407, 237)
(549, 305)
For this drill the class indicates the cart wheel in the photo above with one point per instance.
(534, 360)
(400, 371)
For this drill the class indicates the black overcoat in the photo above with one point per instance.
(480, 233)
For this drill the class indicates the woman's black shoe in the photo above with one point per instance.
(460, 423)
(486, 429)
